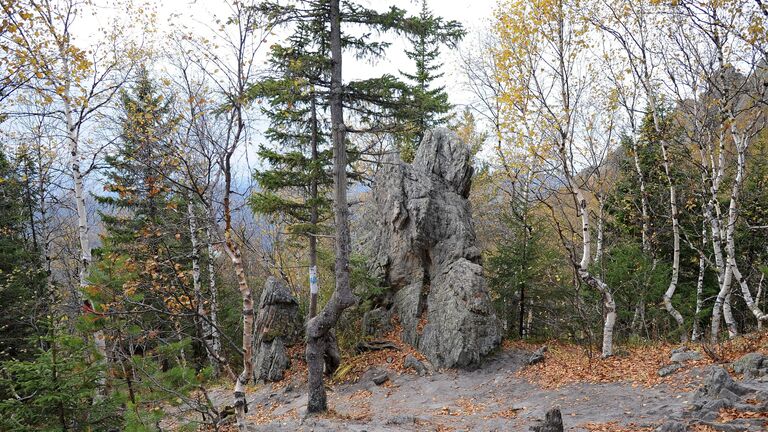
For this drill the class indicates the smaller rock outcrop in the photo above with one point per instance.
(537, 356)
(278, 326)
(685, 356)
(678, 357)
(669, 369)
(377, 322)
(553, 422)
(752, 365)
(720, 392)
(412, 362)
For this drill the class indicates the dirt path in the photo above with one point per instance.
(492, 398)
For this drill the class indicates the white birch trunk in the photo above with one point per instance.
(214, 292)
(696, 332)
(741, 144)
(596, 283)
(675, 225)
(204, 325)
(643, 199)
(73, 138)
(600, 229)
(758, 298)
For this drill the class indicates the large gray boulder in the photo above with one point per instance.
(277, 326)
(417, 230)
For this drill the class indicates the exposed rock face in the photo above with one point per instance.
(537, 356)
(277, 326)
(418, 231)
(377, 322)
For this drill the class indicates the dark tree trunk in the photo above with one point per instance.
(313, 285)
(320, 340)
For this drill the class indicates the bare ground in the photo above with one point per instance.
(491, 398)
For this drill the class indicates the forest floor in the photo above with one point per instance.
(620, 394)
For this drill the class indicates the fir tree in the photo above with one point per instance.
(426, 105)
(141, 275)
(296, 181)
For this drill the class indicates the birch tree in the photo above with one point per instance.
(539, 62)
(228, 63)
(713, 74)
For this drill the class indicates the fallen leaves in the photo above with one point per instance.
(506, 414)
(263, 414)
(731, 414)
(568, 363)
(614, 427)
(464, 407)
(734, 349)
(352, 367)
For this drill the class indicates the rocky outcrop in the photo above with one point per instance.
(377, 322)
(537, 356)
(678, 358)
(278, 326)
(720, 392)
(417, 230)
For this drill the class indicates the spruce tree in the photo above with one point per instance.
(295, 183)
(141, 273)
(426, 104)
(375, 103)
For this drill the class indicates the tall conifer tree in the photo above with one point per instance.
(426, 104)
(143, 264)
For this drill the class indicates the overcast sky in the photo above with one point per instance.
(198, 14)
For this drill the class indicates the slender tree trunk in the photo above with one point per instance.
(674, 216)
(319, 328)
(82, 214)
(202, 319)
(600, 219)
(741, 144)
(233, 250)
(643, 199)
(758, 298)
(313, 218)
(609, 305)
(99, 338)
(696, 333)
(675, 244)
(241, 406)
(214, 292)
(522, 311)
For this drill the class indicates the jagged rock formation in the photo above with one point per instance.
(278, 326)
(719, 391)
(417, 229)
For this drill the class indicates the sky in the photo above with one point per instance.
(197, 15)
